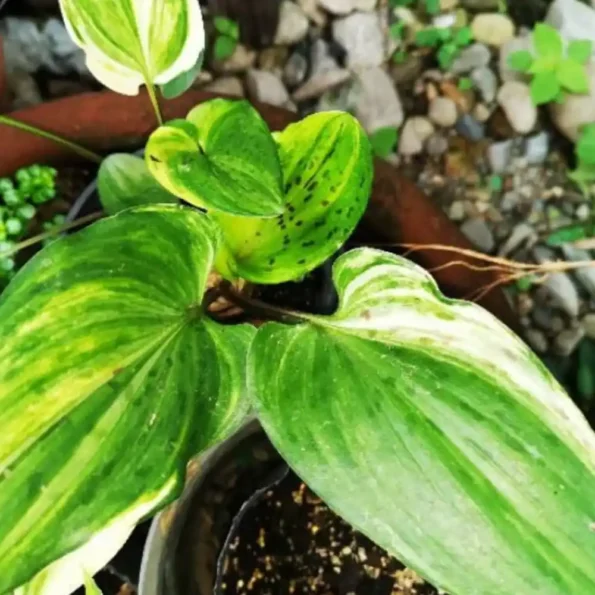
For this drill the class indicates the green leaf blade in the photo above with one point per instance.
(328, 171)
(111, 380)
(124, 181)
(221, 158)
(384, 141)
(184, 81)
(521, 60)
(547, 41)
(545, 87)
(580, 50)
(572, 77)
(431, 428)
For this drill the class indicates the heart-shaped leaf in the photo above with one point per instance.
(580, 50)
(548, 42)
(124, 181)
(544, 88)
(328, 171)
(222, 157)
(131, 42)
(111, 379)
(430, 427)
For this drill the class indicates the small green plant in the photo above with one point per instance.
(384, 141)
(584, 174)
(465, 83)
(430, 6)
(555, 70)
(447, 41)
(228, 35)
(19, 199)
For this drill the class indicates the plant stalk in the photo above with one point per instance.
(76, 148)
(154, 101)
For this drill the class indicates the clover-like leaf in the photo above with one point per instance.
(544, 87)
(111, 379)
(124, 181)
(433, 429)
(572, 76)
(580, 50)
(221, 157)
(521, 60)
(327, 168)
(131, 42)
(547, 41)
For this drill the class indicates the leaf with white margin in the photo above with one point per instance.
(70, 572)
(222, 157)
(124, 181)
(133, 42)
(434, 430)
(327, 171)
(112, 378)
(91, 587)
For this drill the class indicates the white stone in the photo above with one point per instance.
(360, 34)
(264, 86)
(479, 234)
(241, 60)
(588, 323)
(313, 11)
(577, 110)
(343, 7)
(320, 83)
(492, 28)
(293, 24)
(443, 111)
(474, 56)
(414, 134)
(378, 102)
(515, 99)
(228, 85)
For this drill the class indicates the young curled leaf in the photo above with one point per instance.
(327, 168)
(133, 42)
(222, 157)
(433, 429)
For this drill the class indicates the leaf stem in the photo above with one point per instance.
(259, 308)
(76, 148)
(52, 232)
(154, 101)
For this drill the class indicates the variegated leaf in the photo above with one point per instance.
(433, 429)
(327, 168)
(131, 42)
(222, 157)
(124, 181)
(111, 379)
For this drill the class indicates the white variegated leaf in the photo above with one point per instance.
(131, 42)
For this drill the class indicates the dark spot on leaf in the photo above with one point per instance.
(271, 261)
(311, 186)
(339, 211)
(302, 261)
(153, 158)
(291, 208)
(308, 198)
(286, 240)
(299, 223)
(258, 234)
(325, 203)
(308, 244)
(319, 223)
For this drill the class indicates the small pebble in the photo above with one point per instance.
(474, 56)
(537, 148)
(521, 234)
(492, 28)
(361, 35)
(499, 155)
(486, 82)
(468, 127)
(415, 133)
(479, 234)
(515, 100)
(456, 212)
(436, 145)
(588, 323)
(537, 340)
(567, 341)
(295, 69)
(583, 212)
(443, 112)
(481, 112)
(293, 24)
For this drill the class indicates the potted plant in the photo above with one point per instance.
(422, 421)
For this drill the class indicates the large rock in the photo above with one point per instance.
(360, 34)
(577, 110)
(378, 103)
(515, 99)
(293, 24)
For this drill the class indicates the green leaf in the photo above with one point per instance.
(585, 147)
(586, 371)
(580, 50)
(227, 27)
(447, 54)
(547, 41)
(541, 65)
(111, 379)
(133, 42)
(396, 30)
(521, 60)
(222, 157)
(384, 140)
(429, 37)
(124, 181)
(572, 77)
(568, 234)
(224, 47)
(433, 6)
(91, 587)
(183, 81)
(544, 88)
(463, 37)
(432, 428)
(328, 170)
(465, 83)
